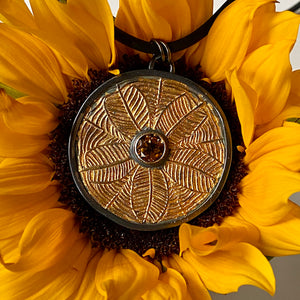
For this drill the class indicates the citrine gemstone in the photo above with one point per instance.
(150, 147)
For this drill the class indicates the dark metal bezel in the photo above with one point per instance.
(110, 86)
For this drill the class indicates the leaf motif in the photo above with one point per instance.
(106, 163)
(183, 200)
(151, 89)
(198, 160)
(115, 196)
(190, 177)
(207, 130)
(99, 118)
(91, 136)
(176, 110)
(104, 155)
(215, 148)
(108, 173)
(171, 90)
(128, 110)
(149, 195)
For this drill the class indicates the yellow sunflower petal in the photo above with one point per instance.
(281, 145)
(14, 144)
(11, 10)
(62, 279)
(267, 70)
(282, 238)
(195, 285)
(9, 248)
(270, 26)
(291, 109)
(205, 241)
(111, 282)
(82, 31)
(171, 285)
(18, 210)
(28, 115)
(229, 38)
(244, 97)
(29, 66)
(265, 192)
(154, 19)
(203, 11)
(47, 238)
(88, 289)
(20, 176)
(225, 271)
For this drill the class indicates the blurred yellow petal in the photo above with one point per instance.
(81, 31)
(203, 11)
(270, 26)
(291, 109)
(9, 248)
(11, 10)
(265, 192)
(196, 288)
(27, 115)
(204, 241)
(171, 285)
(267, 70)
(30, 66)
(111, 282)
(150, 252)
(244, 97)
(14, 144)
(18, 210)
(154, 19)
(88, 289)
(20, 176)
(229, 38)
(280, 145)
(47, 238)
(241, 264)
(62, 279)
(282, 238)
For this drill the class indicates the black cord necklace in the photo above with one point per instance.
(178, 45)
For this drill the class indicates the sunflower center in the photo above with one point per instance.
(103, 232)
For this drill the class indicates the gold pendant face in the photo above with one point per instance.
(150, 150)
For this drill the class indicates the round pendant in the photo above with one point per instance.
(150, 150)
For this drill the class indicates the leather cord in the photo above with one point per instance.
(178, 45)
(174, 46)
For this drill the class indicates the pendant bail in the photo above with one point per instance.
(165, 56)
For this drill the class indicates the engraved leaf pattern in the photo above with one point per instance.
(128, 110)
(98, 117)
(115, 196)
(151, 195)
(206, 131)
(107, 163)
(190, 177)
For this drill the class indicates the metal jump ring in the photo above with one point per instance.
(165, 56)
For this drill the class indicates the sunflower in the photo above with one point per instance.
(59, 53)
